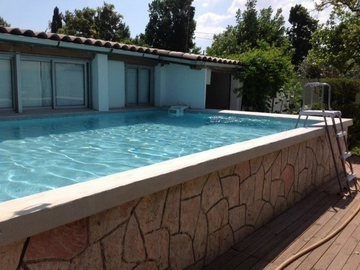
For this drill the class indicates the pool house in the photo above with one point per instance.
(181, 213)
(45, 70)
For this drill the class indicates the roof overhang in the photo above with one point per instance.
(194, 61)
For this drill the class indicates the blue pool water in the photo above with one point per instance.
(43, 154)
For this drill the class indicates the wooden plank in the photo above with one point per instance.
(343, 256)
(234, 262)
(348, 249)
(223, 259)
(292, 234)
(318, 230)
(342, 213)
(341, 239)
(353, 261)
(250, 262)
(283, 220)
(295, 229)
(319, 201)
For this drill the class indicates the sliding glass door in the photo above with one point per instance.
(36, 87)
(70, 84)
(138, 85)
(6, 93)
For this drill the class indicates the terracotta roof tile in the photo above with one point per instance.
(115, 45)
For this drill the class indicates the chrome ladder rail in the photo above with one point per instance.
(344, 153)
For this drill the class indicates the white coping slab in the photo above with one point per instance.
(27, 216)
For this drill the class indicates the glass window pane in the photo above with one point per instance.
(5, 87)
(144, 86)
(131, 86)
(70, 84)
(36, 84)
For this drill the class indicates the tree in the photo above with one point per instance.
(139, 40)
(100, 23)
(336, 45)
(3, 22)
(252, 29)
(300, 33)
(224, 44)
(266, 71)
(171, 25)
(352, 5)
(56, 21)
(109, 24)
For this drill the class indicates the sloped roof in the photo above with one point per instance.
(114, 45)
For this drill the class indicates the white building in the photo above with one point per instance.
(47, 70)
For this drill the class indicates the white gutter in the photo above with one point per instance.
(106, 50)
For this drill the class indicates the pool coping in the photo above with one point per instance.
(27, 216)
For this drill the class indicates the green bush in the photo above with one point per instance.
(343, 98)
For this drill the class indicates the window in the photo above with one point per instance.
(6, 94)
(52, 83)
(42, 82)
(36, 88)
(138, 85)
(69, 84)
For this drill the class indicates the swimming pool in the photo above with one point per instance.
(46, 153)
(192, 199)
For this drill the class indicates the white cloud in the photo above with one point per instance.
(235, 5)
(211, 19)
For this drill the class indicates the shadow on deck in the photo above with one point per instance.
(306, 223)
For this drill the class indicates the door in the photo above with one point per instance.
(138, 86)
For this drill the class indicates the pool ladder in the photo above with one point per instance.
(341, 135)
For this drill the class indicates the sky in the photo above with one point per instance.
(212, 16)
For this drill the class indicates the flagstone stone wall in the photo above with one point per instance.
(185, 226)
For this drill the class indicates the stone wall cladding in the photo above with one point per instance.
(188, 225)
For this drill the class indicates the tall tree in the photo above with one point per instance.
(252, 29)
(56, 21)
(352, 5)
(336, 45)
(171, 25)
(109, 24)
(300, 33)
(100, 23)
(3, 22)
(224, 44)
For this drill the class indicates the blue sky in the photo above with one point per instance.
(212, 16)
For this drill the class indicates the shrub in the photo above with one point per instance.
(343, 98)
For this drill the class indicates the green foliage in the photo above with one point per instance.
(100, 23)
(139, 40)
(255, 28)
(3, 22)
(336, 46)
(302, 27)
(224, 44)
(171, 25)
(56, 22)
(352, 5)
(343, 98)
(336, 52)
(252, 29)
(265, 73)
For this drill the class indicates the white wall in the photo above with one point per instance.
(116, 75)
(100, 83)
(159, 85)
(180, 84)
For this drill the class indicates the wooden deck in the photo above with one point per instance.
(306, 223)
